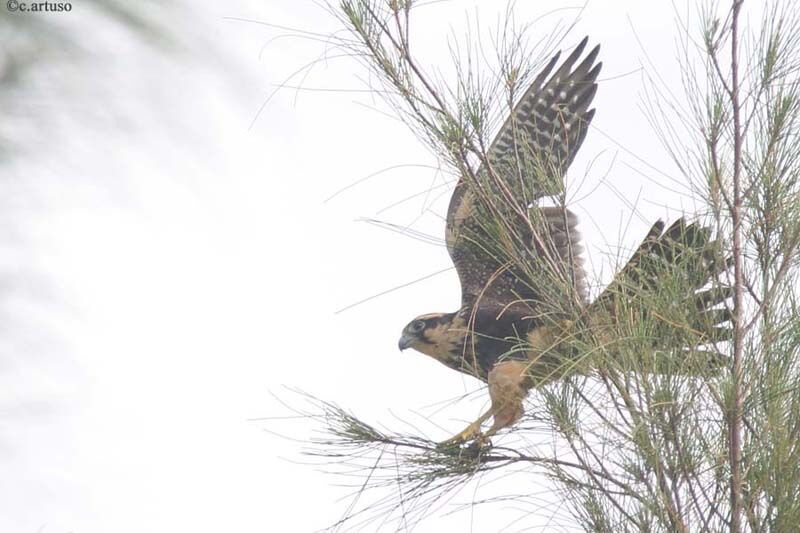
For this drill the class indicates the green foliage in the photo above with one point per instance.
(662, 418)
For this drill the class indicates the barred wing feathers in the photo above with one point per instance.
(493, 228)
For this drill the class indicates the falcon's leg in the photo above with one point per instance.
(507, 389)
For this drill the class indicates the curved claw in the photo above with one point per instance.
(482, 442)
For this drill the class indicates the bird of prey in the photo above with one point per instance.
(523, 286)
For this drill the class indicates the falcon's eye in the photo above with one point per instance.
(417, 326)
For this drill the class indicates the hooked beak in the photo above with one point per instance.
(405, 342)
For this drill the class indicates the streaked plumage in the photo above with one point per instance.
(523, 286)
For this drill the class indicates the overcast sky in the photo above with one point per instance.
(172, 260)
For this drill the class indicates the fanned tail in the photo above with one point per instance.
(670, 295)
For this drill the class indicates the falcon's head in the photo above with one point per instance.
(439, 335)
(426, 332)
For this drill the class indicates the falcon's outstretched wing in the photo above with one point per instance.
(493, 229)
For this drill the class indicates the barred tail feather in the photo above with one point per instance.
(670, 293)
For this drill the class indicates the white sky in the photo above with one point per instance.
(183, 265)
